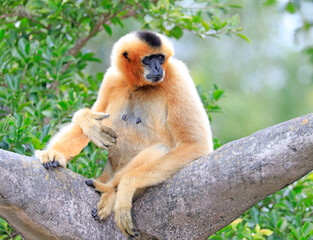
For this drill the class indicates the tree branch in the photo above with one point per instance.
(199, 200)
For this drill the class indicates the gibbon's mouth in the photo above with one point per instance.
(154, 78)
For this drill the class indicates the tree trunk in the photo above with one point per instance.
(196, 202)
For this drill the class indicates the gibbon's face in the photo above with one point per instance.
(153, 71)
(142, 57)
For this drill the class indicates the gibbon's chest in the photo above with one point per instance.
(139, 120)
(142, 111)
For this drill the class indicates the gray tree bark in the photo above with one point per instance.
(199, 200)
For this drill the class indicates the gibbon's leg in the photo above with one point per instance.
(150, 167)
(86, 125)
(107, 172)
(106, 203)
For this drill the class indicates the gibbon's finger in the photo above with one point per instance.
(100, 116)
(109, 131)
(105, 145)
(97, 142)
(107, 138)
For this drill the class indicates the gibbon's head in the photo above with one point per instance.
(142, 57)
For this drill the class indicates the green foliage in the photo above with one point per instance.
(284, 215)
(209, 100)
(6, 232)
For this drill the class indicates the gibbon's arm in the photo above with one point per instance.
(187, 119)
(71, 139)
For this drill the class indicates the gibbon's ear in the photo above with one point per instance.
(125, 54)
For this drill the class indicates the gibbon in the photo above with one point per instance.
(148, 116)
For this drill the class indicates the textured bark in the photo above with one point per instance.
(199, 200)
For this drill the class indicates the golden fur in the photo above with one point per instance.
(174, 128)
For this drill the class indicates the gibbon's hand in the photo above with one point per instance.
(51, 158)
(93, 128)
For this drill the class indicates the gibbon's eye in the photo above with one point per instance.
(161, 58)
(146, 60)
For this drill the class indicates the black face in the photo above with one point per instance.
(153, 64)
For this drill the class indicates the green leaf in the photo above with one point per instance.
(1, 34)
(107, 29)
(36, 143)
(234, 6)
(290, 7)
(205, 25)
(50, 41)
(270, 2)
(3, 94)
(217, 94)
(235, 20)
(63, 105)
(266, 232)
(244, 37)
(27, 121)
(176, 32)
(22, 46)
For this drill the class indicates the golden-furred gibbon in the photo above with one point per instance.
(148, 116)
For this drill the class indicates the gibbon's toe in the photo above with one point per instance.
(124, 222)
(94, 214)
(90, 183)
(130, 235)
(51, 164)
(55, 164)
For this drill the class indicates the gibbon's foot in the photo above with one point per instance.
(107, 199)
(50, 158)
(124, 221)
(52, 164)
(89, 182)
(106, 204)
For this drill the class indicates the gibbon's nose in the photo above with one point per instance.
(156, 72)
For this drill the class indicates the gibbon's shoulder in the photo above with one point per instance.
(178, 69)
